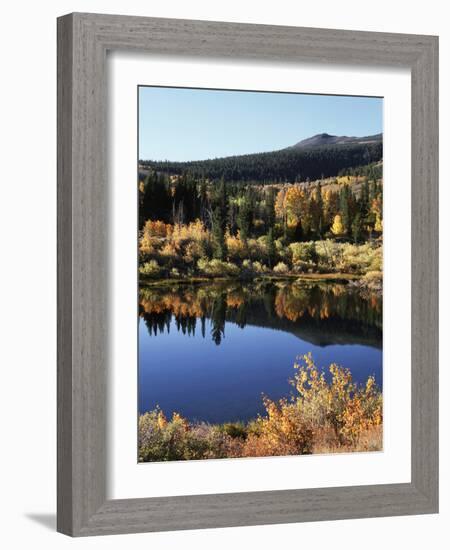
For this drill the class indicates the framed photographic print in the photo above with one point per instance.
(247, 274)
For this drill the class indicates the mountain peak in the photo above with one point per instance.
(320, 140)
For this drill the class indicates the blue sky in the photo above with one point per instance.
(182, 124)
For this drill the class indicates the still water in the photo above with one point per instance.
(210, 351)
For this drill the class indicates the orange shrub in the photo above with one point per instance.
(193, 231)
(152, 233)
(157, 228)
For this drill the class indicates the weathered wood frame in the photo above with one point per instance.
(83, 40)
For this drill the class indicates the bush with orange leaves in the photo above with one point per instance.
(340, 405)
(175, 247)
(152, 232)
(321, 417)
(194, 231)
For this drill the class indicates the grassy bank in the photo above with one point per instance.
(320, 417)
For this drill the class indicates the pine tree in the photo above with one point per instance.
(320, 209)
(357, 228)
(244, 218)
(221, 196)
(231, 217)
(155, 199)
(218, 234)
(203, 200)
(344, 208)
(271, 249)
(298, 233)
(364, 201)
(270, 209)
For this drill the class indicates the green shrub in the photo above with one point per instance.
(217, 268)
(347, 257)
(304, 252)
(281, 268)
(282, 251)
(259, 267)
(300, 266)
(235, 429)
(362, 258)
(150, 270)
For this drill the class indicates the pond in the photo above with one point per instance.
(209, 351)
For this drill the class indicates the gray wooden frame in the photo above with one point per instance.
(83, 40)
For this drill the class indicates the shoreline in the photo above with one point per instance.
(338, 415)
(306, 277)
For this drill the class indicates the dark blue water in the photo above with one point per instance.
(210, 352)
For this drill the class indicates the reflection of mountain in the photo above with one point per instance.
(323, 314)
(325, 332)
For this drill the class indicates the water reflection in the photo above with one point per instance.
(320, 313)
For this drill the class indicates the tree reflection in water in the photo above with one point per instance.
(322, 313)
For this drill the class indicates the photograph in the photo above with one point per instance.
(260, 274)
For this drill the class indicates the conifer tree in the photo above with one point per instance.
(218, 234)
(357, 228)
(344, 208)
(270, 208)
(245, 217)
(320, 209)
(271, 249)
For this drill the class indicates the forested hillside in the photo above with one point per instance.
(293, 164)
(291, 211)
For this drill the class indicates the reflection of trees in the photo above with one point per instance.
(324, 302)
(318, 312)
(218, 312)
(241, 315)
(157, 321)
(269, 295)
(186, 324)
(203, 320)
